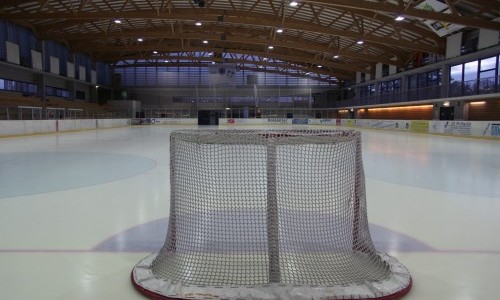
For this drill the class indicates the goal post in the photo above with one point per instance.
(268, 214)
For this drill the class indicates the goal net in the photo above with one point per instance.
(263, 214)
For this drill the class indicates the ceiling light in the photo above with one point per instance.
(294, 3)
(155, 52)
(399, 18)
(118, 21)
(140, 39)
(270, 47)
(167, 61)
(213, 63)
(279, 30)
(198, 23)
(205, 42)
(336, 56)
(320, 66)
(360, 42)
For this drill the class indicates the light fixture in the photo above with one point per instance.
(198, 23)
(117, 21)
(140, 39)
(213, 63)
(279, 30)
(307, 73)
(336, 56)
(155, 52)
(270, 47)
(167, 61)
(320, 66)
(413, 107)
(360, 42)
(264, 59)
(399, 18)
(294, 3)
(446, 103)
(477, 102)
(205, 42)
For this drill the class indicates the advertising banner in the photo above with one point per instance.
(299, 121)
(457, 127)
(495, 129)
(276, 121)
(419, 126)
(348, 122)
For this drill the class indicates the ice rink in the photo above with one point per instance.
(79, 210)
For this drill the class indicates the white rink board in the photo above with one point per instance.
(27, 127)
(458, 128)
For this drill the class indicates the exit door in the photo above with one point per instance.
(447, 113)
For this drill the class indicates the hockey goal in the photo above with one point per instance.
(268, 215)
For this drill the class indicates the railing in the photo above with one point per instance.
(238, 112)
(482, 86)
(53, 113)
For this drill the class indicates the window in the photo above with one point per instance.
(487, 67)
(390, 86)
(80, 95)
(470, 71)
(433, 78)
(56, 92)
(456, 73)
(487, 75)
(18, 86)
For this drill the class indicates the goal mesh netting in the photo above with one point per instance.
(268, 214)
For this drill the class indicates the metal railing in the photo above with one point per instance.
(249, 112)
(482, 86)
(53, 113)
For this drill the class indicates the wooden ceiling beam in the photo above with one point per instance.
(243, 65)
(115, 53)
(395, 9)
(86, 39)
(233, 17)
(281, 68)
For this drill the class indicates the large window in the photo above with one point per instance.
(470, 70)
(56, 92)
(141, 74)
(390, 86)
(487, 75)
(456, 73)
(423, 80)
(18, 86)
(367, 91)
(424, 85)
(475, 77)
